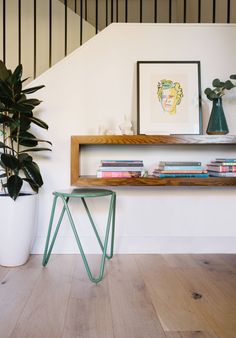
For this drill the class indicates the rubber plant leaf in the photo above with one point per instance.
(32, 89)
(9, 161)
(33, 173)
(4, 74)
(14, 185)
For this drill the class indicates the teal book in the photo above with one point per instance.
(183, 175)
(181, 167)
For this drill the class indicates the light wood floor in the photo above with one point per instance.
(141, 296)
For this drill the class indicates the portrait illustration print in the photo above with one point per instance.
(169, 97)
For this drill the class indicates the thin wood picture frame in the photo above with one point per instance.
(169, 97)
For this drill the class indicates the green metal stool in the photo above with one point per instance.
(65, 196)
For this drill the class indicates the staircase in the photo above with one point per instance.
(39, 33)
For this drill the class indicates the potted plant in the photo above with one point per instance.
(17, 167)
(217, 124)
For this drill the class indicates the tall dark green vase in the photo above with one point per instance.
(217, 124)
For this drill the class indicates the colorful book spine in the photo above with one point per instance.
(217, 174)
(226, 160)
(181, 171)
(180, 163)
(121, 168)
(221, 168)
(119, 174)
(183, 175)
(222, 163)
(120, 164)
(181, 167)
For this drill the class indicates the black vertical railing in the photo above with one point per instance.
(96, 16)
(185, 11)
(214, 11)
(19, 31)
(170, 11)
(81, 23)
(114, 10)
(126, 10)
(228, 11)
(50, 34)
(65, 3)
(140, 11)
(35, 37)
(155, 11)
(199, 11)
(4, 30)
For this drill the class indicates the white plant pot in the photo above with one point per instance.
(17, 228)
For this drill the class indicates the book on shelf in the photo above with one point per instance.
(181, 175)
(120, 174)
(222, 163)
(218, 174)
(200, 171)
(221, 168)
(126, 168)
(180, 163)
(122, 163)
(225, 160)
(181, 167)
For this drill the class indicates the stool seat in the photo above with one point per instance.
(82, 194)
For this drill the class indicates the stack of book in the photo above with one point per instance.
(222, 167)
(121, 168)
(180, 169)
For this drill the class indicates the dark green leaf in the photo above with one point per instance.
(35, 149)
(27, 78)
(31, 103)
(32, 89)
(34, 186)
(217, 83)
(32, 171)
(4, 74)
(207, 91)
(23, 159)
(19, 107)
(38, 122)
(5, 91)
(233, 77)
(4, 118)
(229, 85)
(10, 161)
(14, 184)
(16, 76)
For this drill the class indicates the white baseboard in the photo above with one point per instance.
(136, 245)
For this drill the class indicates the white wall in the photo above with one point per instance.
(96, 85)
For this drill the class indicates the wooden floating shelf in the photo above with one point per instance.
(78, 141)
(153, 181)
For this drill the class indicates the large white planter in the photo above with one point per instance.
(17, 229)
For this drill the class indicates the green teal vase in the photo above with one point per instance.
(217, 124)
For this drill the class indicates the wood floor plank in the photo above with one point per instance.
(89, 310)
(217, 307)
(132, 310)
(43, 315)
(229, 259)
(151, 296)
(15, 289)
(173, 303)
(190, 334)
(3, 272)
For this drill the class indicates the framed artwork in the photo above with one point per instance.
(169, 97)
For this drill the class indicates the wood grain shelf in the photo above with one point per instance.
(78, 141)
